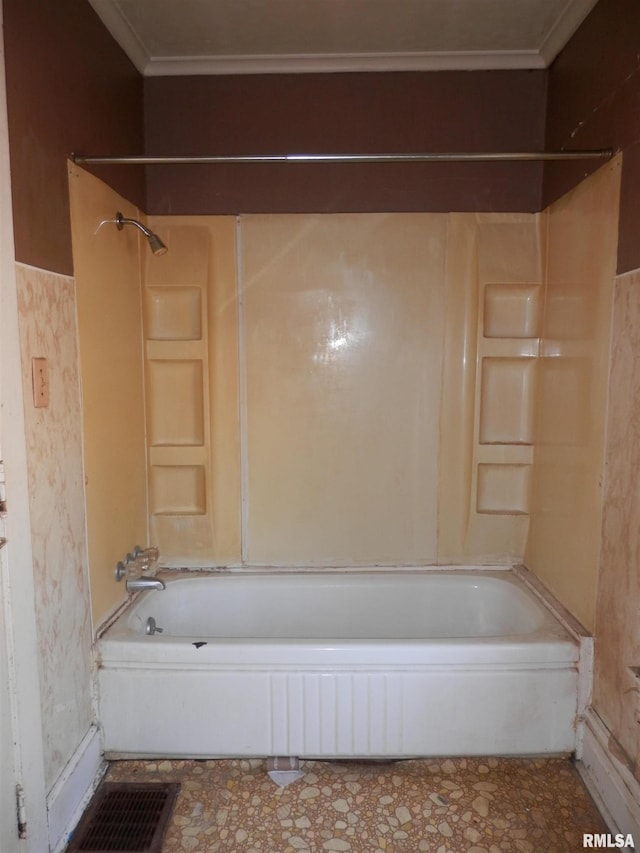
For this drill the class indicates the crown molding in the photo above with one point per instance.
(333, 63)
(565, 26)
(109, 11)
(123, 33)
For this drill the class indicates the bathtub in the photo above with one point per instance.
(374, 664)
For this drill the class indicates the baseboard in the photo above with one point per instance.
(614, 788)
(73, 789)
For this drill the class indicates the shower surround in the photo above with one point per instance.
(351, 389)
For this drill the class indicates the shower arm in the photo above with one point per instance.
(155, 243)
(121, 221)
(443, 157)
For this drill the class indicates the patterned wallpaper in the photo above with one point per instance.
(47, 316)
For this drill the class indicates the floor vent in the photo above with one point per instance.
(125, 817)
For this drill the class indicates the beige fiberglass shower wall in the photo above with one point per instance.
(341, 389)
(348, 389)
(564, 546)
(107, 278)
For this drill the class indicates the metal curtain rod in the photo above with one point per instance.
(597, 154)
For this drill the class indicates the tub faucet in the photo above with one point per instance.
(136, 584)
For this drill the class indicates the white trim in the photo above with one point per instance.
(614, 788)
(17, 580)
(347, 62)
(564, 28)
(123, 33)
(160, 65)
(74, 788)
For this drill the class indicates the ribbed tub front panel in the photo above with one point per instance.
(319, 713)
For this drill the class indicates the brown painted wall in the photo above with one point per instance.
(342, 113)
(594, 102)
(69, 88)
(629, 236)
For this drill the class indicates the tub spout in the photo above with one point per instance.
(136, 584)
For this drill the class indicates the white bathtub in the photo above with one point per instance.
(339, 664)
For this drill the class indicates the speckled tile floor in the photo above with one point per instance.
(444, 806)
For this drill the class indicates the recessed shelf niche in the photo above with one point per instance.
(512, 310)
(503, 489)
(507, 401)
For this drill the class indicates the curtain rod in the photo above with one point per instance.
(461, 157)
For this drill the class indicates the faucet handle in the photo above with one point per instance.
(151, 627)
(148, 559)
(138, 562)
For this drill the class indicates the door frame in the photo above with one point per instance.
(21, 742)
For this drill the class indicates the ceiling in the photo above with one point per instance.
(170, 37)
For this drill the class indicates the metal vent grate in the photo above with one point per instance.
(127, 817)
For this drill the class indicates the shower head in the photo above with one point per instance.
(155, 243)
